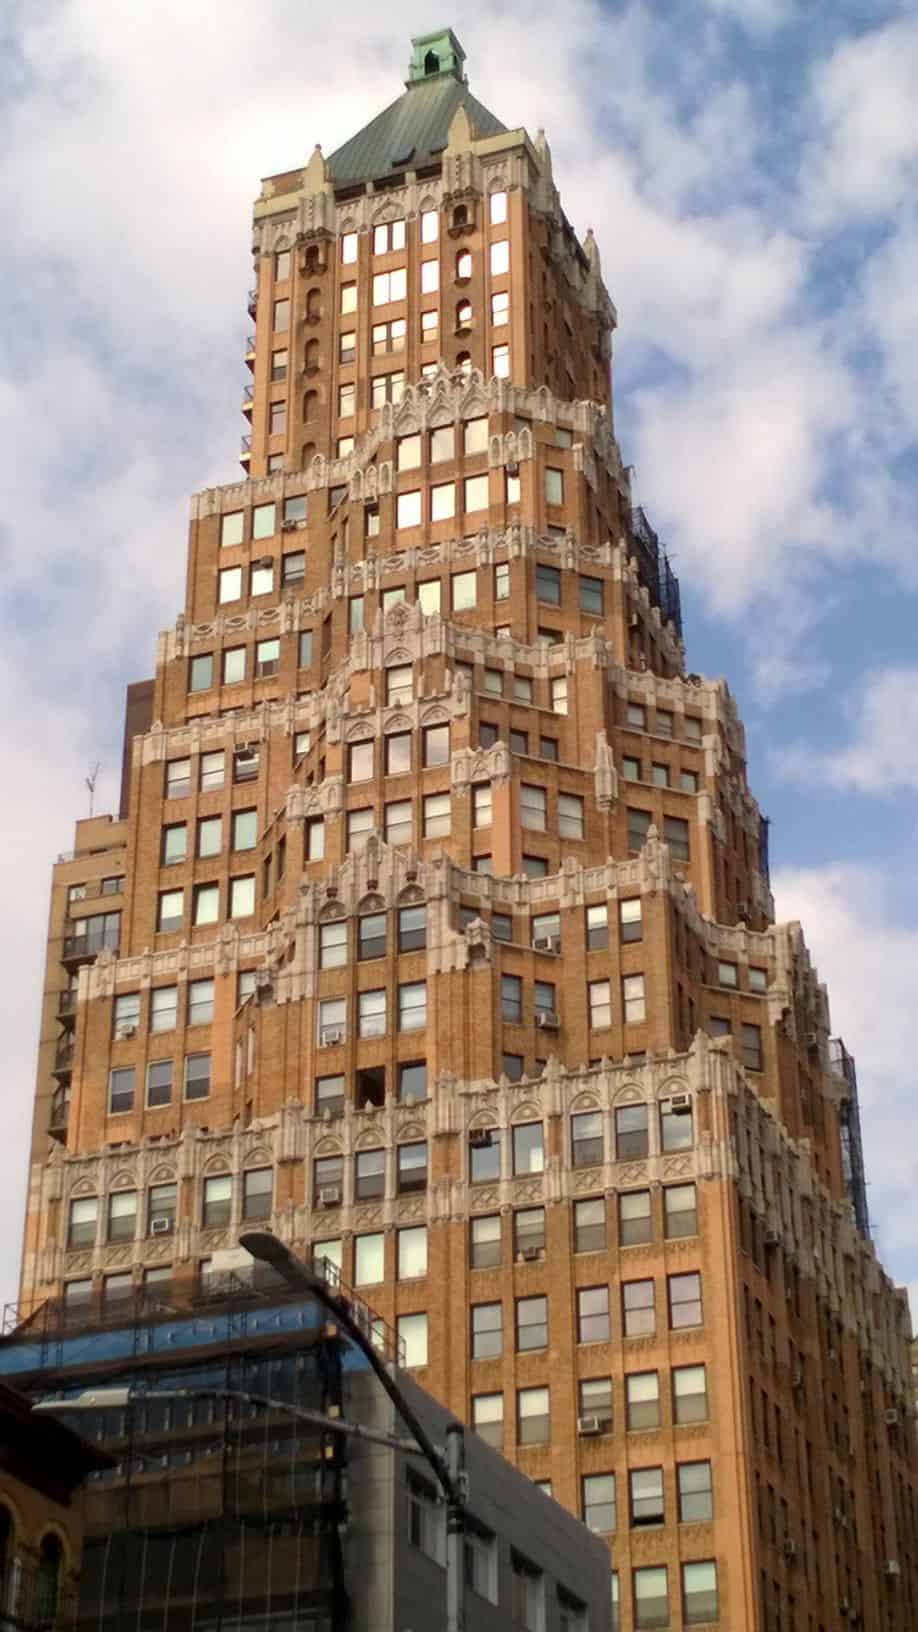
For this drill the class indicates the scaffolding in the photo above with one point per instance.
(220, 1512)
(654, 569)
(852, 1149)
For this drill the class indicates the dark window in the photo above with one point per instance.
(412, 929)
(591, 596)
(511, 1000)
(257, 1193)
(548, 585)
(412, 1167)
(586, 1139)
(369, 1175)
(639, 822)
(371, 935)
(484, 1155)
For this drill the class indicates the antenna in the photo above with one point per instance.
(90, 781)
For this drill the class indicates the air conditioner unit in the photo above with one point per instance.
(891, 1568)
(790, 1549)
(513, 468)
(772, 1238)
(480, 1138)
(680, 1104)
(547, 943)
(126, 1031)
(548, 1019)
(161, 1226)
(891, 1416)
(264, 561)
(330, 1195)
(589, 1425)
(332, 1034)
(532, 1255)
(244, 756)
(288, 526)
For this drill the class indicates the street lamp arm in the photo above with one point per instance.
(269, 1249)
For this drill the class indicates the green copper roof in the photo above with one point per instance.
(413, 131)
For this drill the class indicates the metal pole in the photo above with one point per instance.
(455, 1529)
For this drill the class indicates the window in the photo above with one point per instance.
(554, 494)
(163, 1008)
(314, 839)
(329, 1095)
(385, 388)
(500, 257)
(484, 1241)
(586, 1139)
(598, 1502)
(436, 809)
(533, 1419)
(408, 510)
(481, 804)
(487, 1331)
(429, 596)
(233, 665)
(464, 589)
(752, 1047)
(696, 1492)
(645, 1497)
(680, 1213)
(475, 492)
(411, 1252)
(480, 1561)
(371, 1014)
(642, 1400)
(676, 834)
(359, 827)
(570, 816)
(81, 1230)
(281, 316)
(728, 974)
(430, 277)
(591, 595)
(436, 745)
(758, 979)
(558, 688)
(257, 1193)
(206, 906)
(531, 1323)
(348, 248)
(527, 1595)
(212, 771)
(390, 235)
(327, 1174)
(593, 1325)
(512, 1067)
(232, 529)
(397, 821)
(360, 762)
(590, 1225)
(411, 1168)
(630, 920)
(529, 1232)
(425, 1522)
(484, 1155)
(600, 1004)
(390, 286)
(369, 1259)
(631, 769)
(369, 1175)
(371, 935)
(522, 688)
(633, 1002)
(126, 1014)
(200, 1002)
(594, 1399)
(474, 440)
(412, 1337)
(528, 1149)
(333, 944)
(651, 1598)
(635, 1222)
(511, 999)
(638, 1309)
(197, 1076)
(430, 226)
(676, 1132)
(597, 928)
(638, 824)
(690, 1394)
(210, 836)
(699, 1593)
(533, 807)
(229, 587)
(412, 1006)
(408, 452)
(242, 897)
(500, 309)
(218, 1201)
(412, 1081)
(632, 1140)
(201, 672)
(398, 753)
(161, 1209)
(412, 929)
(346, 400)
(684, 1292)
(688, 781)
(348, 298)
(659, 775)
(463, 265)
(548, 585)
(245, 829)
(171, 911)
(430, 325)
(535, 866)
(664, 725)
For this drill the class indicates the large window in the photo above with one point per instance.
(593, 1325)
(642, 1400)
(533, 1425)
(590, 1225)
(218, 1201)
(638, 1309)
(412, 1006)
(488, 1418)
(411, 1255)
(531, 1323)
(371, 1014)
(257, 1193)
(684, 1300)
(484, 1242)
(369, 1175)
(699, 1593)
(586, 1138)
(690, 1394)
(680, 1211)
(528, 1149)
(484, 1155)
(369, 1259)
(645, 1497)
(412, 1334)
(82, 1226)
(487, 1330)
(121, 1089)
(635, 1221)
(600, 1004)
(651, 1598)
(631, 1132)
(411, 1167)
(696, 1492)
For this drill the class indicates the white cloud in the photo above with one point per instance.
(882, 753)
(866, 147)
(853, 921)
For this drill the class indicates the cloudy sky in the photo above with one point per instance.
(749, 168)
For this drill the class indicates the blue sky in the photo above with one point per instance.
(749, 168)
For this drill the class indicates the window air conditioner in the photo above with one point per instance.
(330, 1195)
(264, 561)
(244, 756)
(532, 1255)
(891, 1416)
(126, 1031)
(589, 1425)
(680, 1104)
(548, 1019)
(891, 1568)
(546, 943)
(332, 1034)
(772, 1238)
(480, 1138)
(161, 1226)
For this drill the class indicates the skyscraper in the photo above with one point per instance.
(435, 926)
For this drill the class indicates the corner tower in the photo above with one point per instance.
(437, 928)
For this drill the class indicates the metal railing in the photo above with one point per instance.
(88, 945)
(654, 569)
